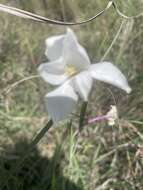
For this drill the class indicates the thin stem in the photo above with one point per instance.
(38, 18)
(114, 40)
(14, 85)
(98, 118)
(123, 15)
(41, 134)
(82, 115)
(35, 141)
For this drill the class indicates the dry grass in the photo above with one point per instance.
(102, 157)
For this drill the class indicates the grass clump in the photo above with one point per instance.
(101, 157)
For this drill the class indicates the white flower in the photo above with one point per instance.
(112, 115)
(71, 69)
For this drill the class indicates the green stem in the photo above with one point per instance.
(82, 115)
(40, 135)
(36, 140)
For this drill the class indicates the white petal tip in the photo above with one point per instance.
(39, 68)
(128, 90)
(69, 30)
(70, 35)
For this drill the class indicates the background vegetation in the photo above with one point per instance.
(102, 157)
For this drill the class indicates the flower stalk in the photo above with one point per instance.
(98, 118)
(41, 134)
(82, 115)
(36, 140)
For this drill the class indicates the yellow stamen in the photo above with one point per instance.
(70, 70)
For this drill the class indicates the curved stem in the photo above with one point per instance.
(38, 18)
(82, 115)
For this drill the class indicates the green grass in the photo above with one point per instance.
(101, 157)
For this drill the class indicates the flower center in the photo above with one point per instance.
(70, 70)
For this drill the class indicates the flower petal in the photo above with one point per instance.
(53, 72)
(54, 47)
(109, 73)
(74, 54)
(82, 83)
(61, 102)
